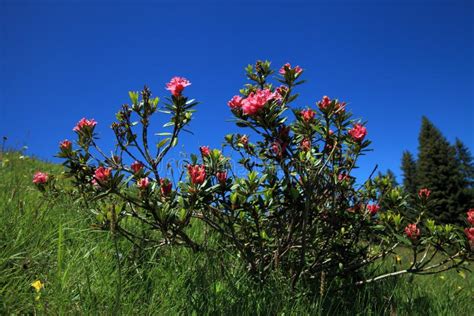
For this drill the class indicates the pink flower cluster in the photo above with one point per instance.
(373, 208)
(343, 177)
(305, 144)
(101, 175)
(197, 173)
(358, 133)
(307, 115)
(470, 231)
(281, 91)
(470, 216)
(324, 103)
(235, 102)
(254, 102)
(244, 140)
(279, 148)
(205, 151)
(40, 178)
(287, 67)
(65, 145)
(470, 235)
(83, 124)
(424, 193)
(221, 177)
(136, 166)
(143, 183)
(177, 85)
(166, 186)
(412, 231)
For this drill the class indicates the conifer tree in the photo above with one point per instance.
(439, 170)
(466, 165)
(464, 158)
(409, 173)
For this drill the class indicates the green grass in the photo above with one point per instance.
(86, 271)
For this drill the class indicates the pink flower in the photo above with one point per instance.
(284, 68)
(424, 193)
(279, 148)
(197, 173)
(137, 166)
(221, 177)
(412, 231)
(205, 151)
(65, 145)
(166, 186)
(340, 107)
(256, 101)
(102, 174)
(358, 133)
(470, 216)
(373, 208)
(244, 140)
(40, 178)
(305, 145)
(143, 183)
(84, 124)
(307, 115)
(177, 85)
(343, 177)
(324, 103)
(281, 91)
(235, 102)
(469, 233)
(287, 67)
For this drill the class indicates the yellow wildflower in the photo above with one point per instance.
(38, 285)
(398, 259)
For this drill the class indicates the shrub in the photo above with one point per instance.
(296, 210)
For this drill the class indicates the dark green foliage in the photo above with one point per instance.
(409, 172)
(439, 170)
(447, 170)
(464, 158)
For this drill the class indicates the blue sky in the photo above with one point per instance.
(392, 61)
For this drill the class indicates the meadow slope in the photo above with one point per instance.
(88, 271)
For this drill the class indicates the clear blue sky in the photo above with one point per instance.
(392, 61)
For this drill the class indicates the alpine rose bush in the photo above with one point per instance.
(294, 206)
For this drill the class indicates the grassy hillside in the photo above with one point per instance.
(88, 271)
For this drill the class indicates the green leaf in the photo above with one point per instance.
(163, 142)
(133, 97)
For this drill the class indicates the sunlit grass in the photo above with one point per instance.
(52, 261)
